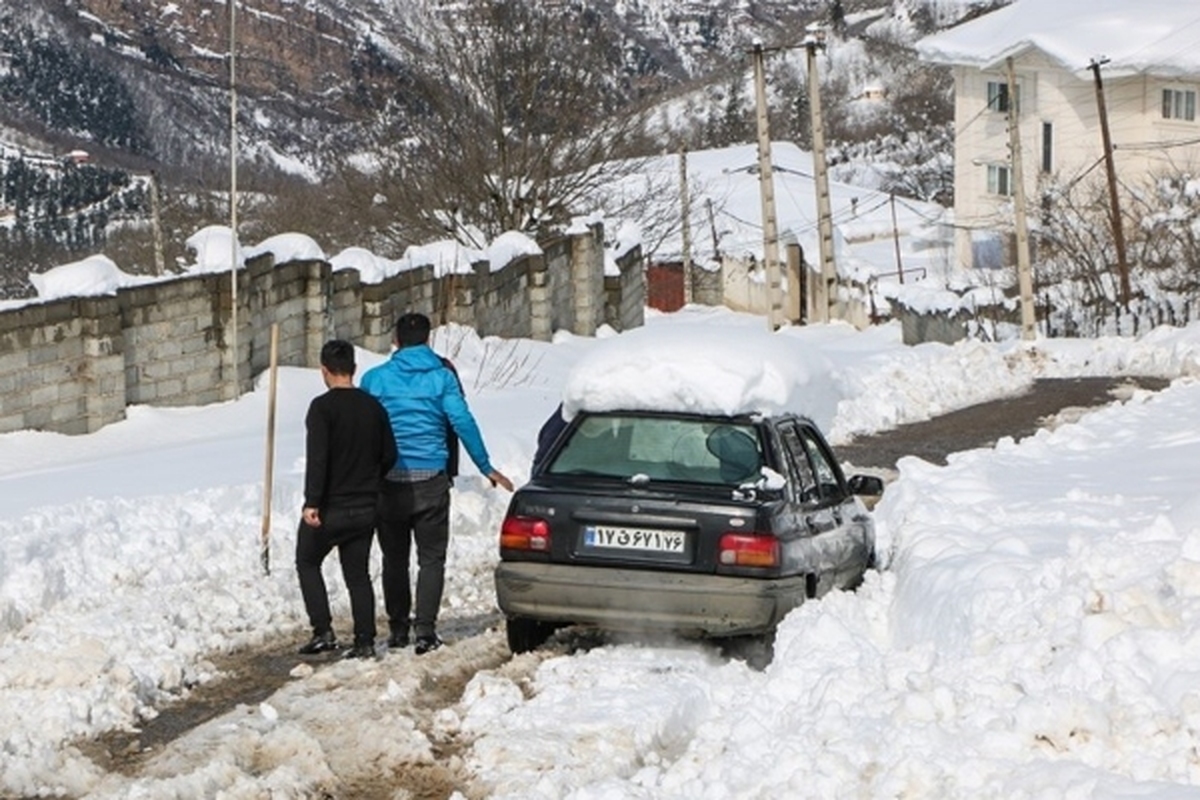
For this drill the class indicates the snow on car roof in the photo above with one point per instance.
(717, 368)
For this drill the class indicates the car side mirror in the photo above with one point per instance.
(866, 485)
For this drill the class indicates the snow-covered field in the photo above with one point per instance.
(1034, 632)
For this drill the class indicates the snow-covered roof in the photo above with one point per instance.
(1156, 37)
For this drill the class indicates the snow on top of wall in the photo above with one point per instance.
(214, 248)
(1148, 36)
(508, 247)
(94, 275)
(447, 257)
(287, 247)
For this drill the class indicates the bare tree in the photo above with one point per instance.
(1075, 241)
(517, 113)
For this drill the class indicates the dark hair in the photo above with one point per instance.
(412, 328)
(337, 356)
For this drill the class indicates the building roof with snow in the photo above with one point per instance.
(1155, 37)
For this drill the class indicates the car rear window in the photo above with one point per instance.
(661, 448)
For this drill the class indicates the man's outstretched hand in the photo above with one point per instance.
(500, 479)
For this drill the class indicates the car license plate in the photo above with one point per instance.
(655, 541)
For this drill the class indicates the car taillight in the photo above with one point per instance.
(748, 550)
(525, 533)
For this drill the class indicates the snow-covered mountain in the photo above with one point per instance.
(149, 78)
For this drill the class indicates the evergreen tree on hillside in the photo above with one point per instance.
(60, 212)
(67, 90)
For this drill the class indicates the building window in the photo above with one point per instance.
(999, 180)
(1179, 104)
(997, 96)
(1047, 147)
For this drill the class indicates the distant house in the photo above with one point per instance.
(77, 157)
(874, 91)
(1150, 56)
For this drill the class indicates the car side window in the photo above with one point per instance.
(828, 480)
(793, 446)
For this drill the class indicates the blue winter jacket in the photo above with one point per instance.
(420, 395)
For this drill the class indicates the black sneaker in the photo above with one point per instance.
(320, 643)
(361, 651)
(398, 640)
(427, 644)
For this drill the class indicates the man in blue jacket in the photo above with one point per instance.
(423, 398)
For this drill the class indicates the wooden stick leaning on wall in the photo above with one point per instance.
(269, 476)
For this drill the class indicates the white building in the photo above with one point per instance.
(1150, 56)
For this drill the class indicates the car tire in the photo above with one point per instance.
(525, 634)
(756, 651)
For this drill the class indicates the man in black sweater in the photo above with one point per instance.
(350, 447)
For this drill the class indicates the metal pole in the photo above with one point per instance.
(1024, 268)
(1113, 198)
(812, 42)
(686, 225)
(766, 185)
(233, 221)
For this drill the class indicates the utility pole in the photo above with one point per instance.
(1115, 204)
(896, 238)
(1024, 269)
(766, 185)
(233, 223)
(814, 40)
(686, 225)
(712, 226)
(160, 266)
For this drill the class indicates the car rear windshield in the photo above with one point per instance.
(661, 448)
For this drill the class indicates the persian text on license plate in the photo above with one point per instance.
(634, 539)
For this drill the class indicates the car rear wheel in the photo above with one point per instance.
(756, 650)
(525, 634)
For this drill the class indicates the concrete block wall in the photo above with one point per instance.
(62, 366)
(346, 305)
(174, 341)
(918, 327)
(73, 365)
(625, 293)
(413, 290)
(298, 297)
(708, 288)
(587, 278)
(541, 307)
(559, 285)
(505, 304)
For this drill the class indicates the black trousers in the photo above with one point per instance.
(349, 530)
(414, 512)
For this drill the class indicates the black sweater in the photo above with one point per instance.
(350, 447)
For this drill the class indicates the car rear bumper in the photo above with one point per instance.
(626, 599)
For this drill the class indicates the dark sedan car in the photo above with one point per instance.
(704, 526)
